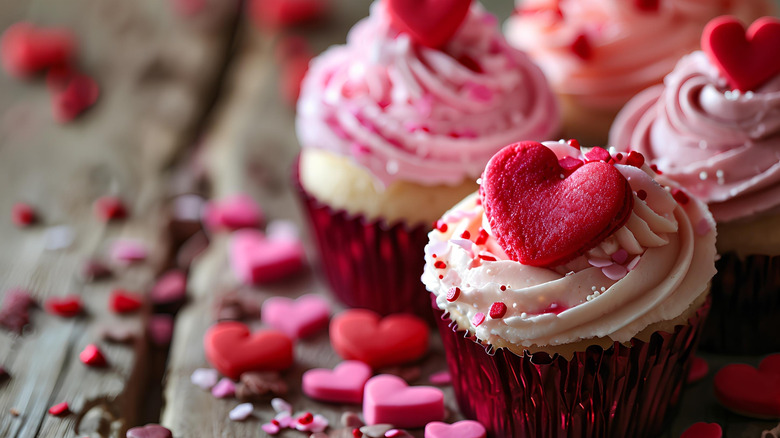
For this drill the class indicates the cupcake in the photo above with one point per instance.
(598, 54)
(571, 290)
(395, 127)
(714, 127)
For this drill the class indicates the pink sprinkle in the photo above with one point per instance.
(478, 319)
(703, 227)
(632, 264)
(281, 406)
(614, 272)
(440, 378)
(318, 423)
(620, 256)
(270, 428)
(241, 412)
(128, 251)
(224, 388)
(599, 263)
(598, 154)
(205, 378)
(478, 92)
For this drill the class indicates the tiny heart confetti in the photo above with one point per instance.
(93, 357)
(126, 252)
(241, 412)
(205, 378)
(122, 301)
(110, 208)
(224, 388)
(66, 307)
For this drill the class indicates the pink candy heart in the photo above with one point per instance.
(232, 213)
(461, 429)
(257, 259)
(342, 385)
(388, 399)
(296, 318)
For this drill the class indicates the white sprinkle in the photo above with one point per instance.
(514, 305)
(593, 288)
(749, 95)
(205, 378)
(732, 95)
(603, 288)
(719, 173)
(241, 412)
(523, 315)
(59, 237)
(392, 167)
(703, 175)
(479, 180)
(562, 141)
(561, 176)
(281, 406)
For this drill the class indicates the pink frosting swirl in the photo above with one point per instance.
(407, 112)
(631, 49)
(723, 146)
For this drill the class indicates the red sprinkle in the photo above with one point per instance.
(275, 422)
(582, 48)
(482, 238)
(306, 418)
(497, 310)
(439, 264)
(641, 194)
(66, 307)
(356, 433)
(92, 356)
(618, 156)
(635, 159)
(440, 225)
(573, 143)
(598, 154)
(654, 168)
(453, 294)
(59, 409)
(487, 258)
(570, 164)
(466, 234)
(478, 319)
(109, 208)
(76, 97)
(441, 277)
(680, 196)
(647, 5)
(503, 288)
(23, 215)
(122, 301)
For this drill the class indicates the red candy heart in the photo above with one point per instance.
(747, 60)
(703, 430)
(122, 301)
(26, 49)
(65, 307)
(749, 391)
(233, 350)
(363, 335)
(429, 22)
(540, 216)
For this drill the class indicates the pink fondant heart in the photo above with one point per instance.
(256, 259)
(388, 399)
(703, 430)
(750, 391)
(232, 213)
(543, 215)
(233, 350)
(746, 59)
(342, 385)
(429, 22)
(461, 429)
(299, 318)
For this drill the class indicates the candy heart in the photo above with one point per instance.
(746, 60)
(149, 431)
(363, 335)
(233, 350)
(232, 213)
(27, 49)
(703, 430)
(749, 391)
(65, 307)
(461, 429)
(429, 22)
(342, 385)
(257, 259)
(122, 301)
(387, 399)
(542, 215)
(299, 318)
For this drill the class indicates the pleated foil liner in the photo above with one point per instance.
(369, 264)
(623, 391)
(745, 314)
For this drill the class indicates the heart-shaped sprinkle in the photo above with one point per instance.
(122, 301)
(461, 429)
(241, 412)
(233, 350)
(746, 59)
(233, 213)
(205, 378)
(93, 357)
(59, 409)
(110, 208)
(23, 215)
(388, 399)
(224, 388)
(66, 307)
(698, 371)
(256, 259)
(342, 385)
(431, 23)
(26, 49)
(170, 288)
(749, 391)
(160, 329)
(363, 335)
(440, 378)
(541, 217)
(126, 252)
(299, 318)
(703, 430)
(78, 95)
(149, 431)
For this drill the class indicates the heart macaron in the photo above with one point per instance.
(343, 384)
(747, 59)
(296, 318)
(257, 259)
(363, 335)
(429, 22)
(233, 350)
(388, 399)
(461, 429)
(753, 392)
(544, 215)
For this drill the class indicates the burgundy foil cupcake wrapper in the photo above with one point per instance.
(745, 314)
(623, 391)
(369, 264)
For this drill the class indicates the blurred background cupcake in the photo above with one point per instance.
(395, 127)
(597, 54)
(716, 131)
(574, 304)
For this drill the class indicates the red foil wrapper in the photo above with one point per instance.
(623, 391)
(369, 264)
(745, 314)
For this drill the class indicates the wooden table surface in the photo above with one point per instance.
(184, 101)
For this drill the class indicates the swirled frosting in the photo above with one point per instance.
(407, 112)
(722, 146)
(630, 48)
(650, 270)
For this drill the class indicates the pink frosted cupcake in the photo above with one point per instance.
(572, 289)
(723, 145)
(598, 54)
(395, 127)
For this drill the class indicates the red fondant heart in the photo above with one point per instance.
(750, 391)
(363, 335)
(747, 60)
(703, 430)
(429, 22)
(542, 219)
(233, 350)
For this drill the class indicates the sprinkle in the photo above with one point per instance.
(306, 418)
(482, 238)
(110, 208)
(241, 412)
(122, 301)
(270, 428)
(392, 167)
(570, 164)
(620, 256)
(593, 288)
(680, 196)
(397, 433)
(465, 234)
(487, 258)
(14, 412)
(224, 388)
(581, 47)
(440, 225)
(23, 215)
(573, 143)
(66, 307)
(503, 287)
(453, 294)
(478, 319)
(635, 159)
(597, 154)
(441, 277)
(356, 433)
(441, 378)
(439, 264)
(280, 405)
(703, 175)
(92, 356)
(351, 419)
(497, 310)
(59, 237)
(654, 168)
(599, 263)
(603, 289)
(93, 270)
(59, 409)
(128, 251)
(641, 194)
(204, 378)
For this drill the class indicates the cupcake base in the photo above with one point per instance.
(745, 314)
(622, 391)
